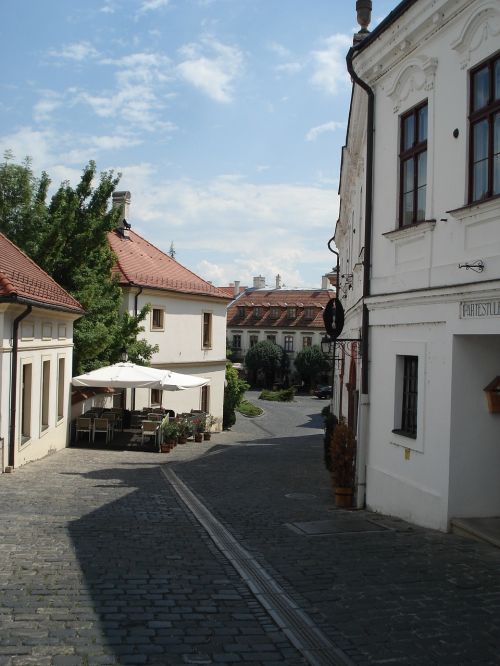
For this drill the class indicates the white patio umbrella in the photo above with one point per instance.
(130, 375)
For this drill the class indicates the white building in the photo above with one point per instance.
(422, 253)
(187, 319)
(36, 354)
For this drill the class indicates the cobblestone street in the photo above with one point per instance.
(102, 561)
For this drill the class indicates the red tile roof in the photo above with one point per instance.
(301, 299)
(21, 278)
(141, 263)
(230, 290)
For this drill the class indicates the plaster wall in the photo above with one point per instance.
(44, 335)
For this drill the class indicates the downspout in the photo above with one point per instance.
(136, 309)
(365, 324)
(13, 384)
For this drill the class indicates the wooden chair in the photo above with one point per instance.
(83, 424)
(149, 429)
(111, 419)
(153, 416)
(102, 425)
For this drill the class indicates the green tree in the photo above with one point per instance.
(71, 244)
(234, 391)
(311, 364)
(265, 357)
(23, 212)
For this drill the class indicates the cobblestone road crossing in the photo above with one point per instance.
(101, 562)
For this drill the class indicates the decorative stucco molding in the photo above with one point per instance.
(417, 74)
(483, 25)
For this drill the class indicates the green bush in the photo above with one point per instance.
(284, 395)
(247, 408)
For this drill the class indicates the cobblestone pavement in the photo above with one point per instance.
(102, 563)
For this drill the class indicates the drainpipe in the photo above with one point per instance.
(136, 310)
(13, 384)
(364, 398)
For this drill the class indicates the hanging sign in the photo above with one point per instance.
(333, 318)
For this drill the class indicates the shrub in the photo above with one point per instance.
(284, 395)
(247, 408)
(233, 395)
(329, 423)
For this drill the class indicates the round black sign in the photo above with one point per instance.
(333, 317)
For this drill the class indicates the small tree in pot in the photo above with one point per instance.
(343, 463)
(169, 431)
(209, 422)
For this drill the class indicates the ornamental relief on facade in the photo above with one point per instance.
(418, 74)
(482, 27)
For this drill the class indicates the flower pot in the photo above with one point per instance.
(165, 448)
(182, 439)
(198, 437)
(207, 436)
(344, 497)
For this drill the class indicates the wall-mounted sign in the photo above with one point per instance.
(333, 318)
(479, 309)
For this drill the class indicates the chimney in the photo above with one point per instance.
(364, 16)
(259, 282)
(122, 200)
(325, 282)
(236, 289)
(278, 281)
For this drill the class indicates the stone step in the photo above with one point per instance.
(482, 529)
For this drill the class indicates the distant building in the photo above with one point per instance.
(420, 260)
(291, 318)
(36, 355)
(187, 319)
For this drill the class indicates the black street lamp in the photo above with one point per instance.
(124, 355)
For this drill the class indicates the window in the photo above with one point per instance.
(241, 310)
(484, 131)
(291, 312)
(309, 312)
(205, 399)
(26, 403)
(289, 343)
(155, 396)
(254, 340)
(237, 341)
(274, 312)
(413, 166)
(61, 369)
(157, 316)
(409, 396)
(45, 395)
(271, 338)
(257, 312)
(307, 341)
(207, 330)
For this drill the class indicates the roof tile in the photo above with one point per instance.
(141, 263)
(21, 277)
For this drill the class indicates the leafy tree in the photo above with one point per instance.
(234, 391)
(23, 213)
(310, 364)
(68, 239)
(265, 357)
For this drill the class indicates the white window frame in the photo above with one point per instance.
(45, 395)
(157, 308)
(402, 349)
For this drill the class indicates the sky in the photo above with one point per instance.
(225, 119)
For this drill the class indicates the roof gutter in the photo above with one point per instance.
(13, 383)
(370, 129)
(22, 300)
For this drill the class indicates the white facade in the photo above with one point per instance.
(424, 303)
(42, 397)
(180, 339)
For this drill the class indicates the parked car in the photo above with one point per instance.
(323, 392)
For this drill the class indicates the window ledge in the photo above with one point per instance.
(411, 230)
(403, 433)
(477, 207)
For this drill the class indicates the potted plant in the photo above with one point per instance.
(170, 431)
(329, 423)
(198, 424)
(343, 459)
(209, 422)
(184, 430)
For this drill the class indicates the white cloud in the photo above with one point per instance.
(211, 67)
(275, 228)
(329, 64)
(77, 51)
(279, 49)
(152, 5)
(289, 67)
(331, 126)
(46, 105)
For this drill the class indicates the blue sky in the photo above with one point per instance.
(225, 117)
